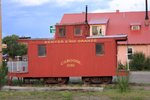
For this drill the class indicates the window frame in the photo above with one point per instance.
(93, 30)
(129, 55)
(62, 34)
(135, 27)
(45, 51)
(102, 51)
(100, 30)
(79, 27)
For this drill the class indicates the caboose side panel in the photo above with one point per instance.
(37, 65)
(73, 59)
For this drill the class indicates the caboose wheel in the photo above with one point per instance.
(96, 80)
(106, 80)
(86, 80)
(63, 80)
(50, 80)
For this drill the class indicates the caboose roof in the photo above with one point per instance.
(117, 22)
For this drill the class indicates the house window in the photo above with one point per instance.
(62, 32)
(41, 50)
(77, 31)
(98, 30)
(135, 27)
(130, 52)
(94, 30)
(99, 48)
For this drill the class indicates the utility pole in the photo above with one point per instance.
(0, 33)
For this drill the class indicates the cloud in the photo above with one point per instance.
(42, 2)
(67, 2)
(124, 5)
(30, 2)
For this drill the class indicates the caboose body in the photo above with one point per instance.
(63, 58)
(72, 53)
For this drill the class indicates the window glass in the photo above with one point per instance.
(41, 50)
(130, 52)
(77, 31)
(98, 30)
(99, 48)
(94, 30)
(62, 32)
(135, 27)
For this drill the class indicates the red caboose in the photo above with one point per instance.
(72, 53)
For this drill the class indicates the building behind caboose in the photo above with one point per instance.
(104, 24)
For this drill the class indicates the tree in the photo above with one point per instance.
(13, 47)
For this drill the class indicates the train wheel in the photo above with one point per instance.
(106, 80)
(63, 80)
(50, 80)
(86, 80)
(96, 80)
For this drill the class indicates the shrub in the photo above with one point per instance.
(138, 61)
(121, 66)
(147, 64)
(3, 73)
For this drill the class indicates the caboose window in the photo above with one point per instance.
(77, 31)
(99, 48)
(62, 32)
(41, 50)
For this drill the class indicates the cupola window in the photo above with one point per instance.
(77, 31)
(62, 32)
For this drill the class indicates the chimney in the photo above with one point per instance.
(117, 11)
(146, 14)
(86, 21)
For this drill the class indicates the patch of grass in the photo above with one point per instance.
(67, 95)
(123, 83)
(108, 94)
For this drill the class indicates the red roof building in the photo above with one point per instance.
(129, 23)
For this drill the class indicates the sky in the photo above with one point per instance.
(34, 17)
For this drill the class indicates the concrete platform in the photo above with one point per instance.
(63, 88)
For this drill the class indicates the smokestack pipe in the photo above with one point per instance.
(146, 14)
(146, 5)
(86, 21)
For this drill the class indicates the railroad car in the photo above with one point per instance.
(72, 53)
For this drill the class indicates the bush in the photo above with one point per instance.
(121, 66)
(147, 64)
(3, 73)
(138, 61)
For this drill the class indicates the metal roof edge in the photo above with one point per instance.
(108, 36)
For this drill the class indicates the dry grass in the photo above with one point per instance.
(109, 93)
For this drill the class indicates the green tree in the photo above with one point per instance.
(14, 48)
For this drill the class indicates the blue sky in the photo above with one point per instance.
(33, 17)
